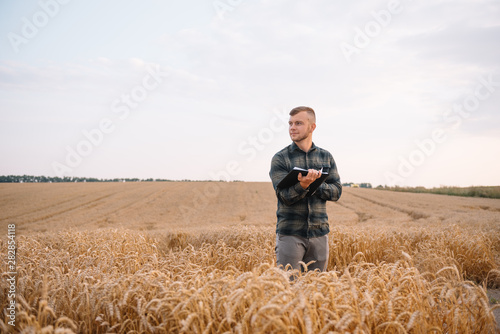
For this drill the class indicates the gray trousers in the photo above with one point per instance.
(291, 249)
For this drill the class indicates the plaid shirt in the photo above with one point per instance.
(299, 214)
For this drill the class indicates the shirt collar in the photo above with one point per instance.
(294, 147)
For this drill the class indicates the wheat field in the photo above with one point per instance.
(198, 257)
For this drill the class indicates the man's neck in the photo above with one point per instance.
(305, 144)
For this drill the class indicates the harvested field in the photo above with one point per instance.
(198, 257)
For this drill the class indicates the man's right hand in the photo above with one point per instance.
(312, 175)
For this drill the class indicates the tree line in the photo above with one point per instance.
(56, 179)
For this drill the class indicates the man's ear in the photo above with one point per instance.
(313, 126)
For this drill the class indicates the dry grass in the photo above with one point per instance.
(393, 272)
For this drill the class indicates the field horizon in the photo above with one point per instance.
(170, 204)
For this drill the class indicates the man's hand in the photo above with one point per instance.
(312, 175)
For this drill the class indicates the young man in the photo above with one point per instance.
(302, 226)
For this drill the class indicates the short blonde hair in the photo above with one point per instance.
(310, 112)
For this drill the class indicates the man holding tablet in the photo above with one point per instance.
(302, 223)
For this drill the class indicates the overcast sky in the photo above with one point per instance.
(405, 92)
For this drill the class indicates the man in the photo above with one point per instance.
(302, 225)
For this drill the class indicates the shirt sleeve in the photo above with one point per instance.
(278, 172)
(331, 189)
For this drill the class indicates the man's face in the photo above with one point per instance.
(299, 126)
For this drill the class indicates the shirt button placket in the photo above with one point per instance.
(308, 203)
